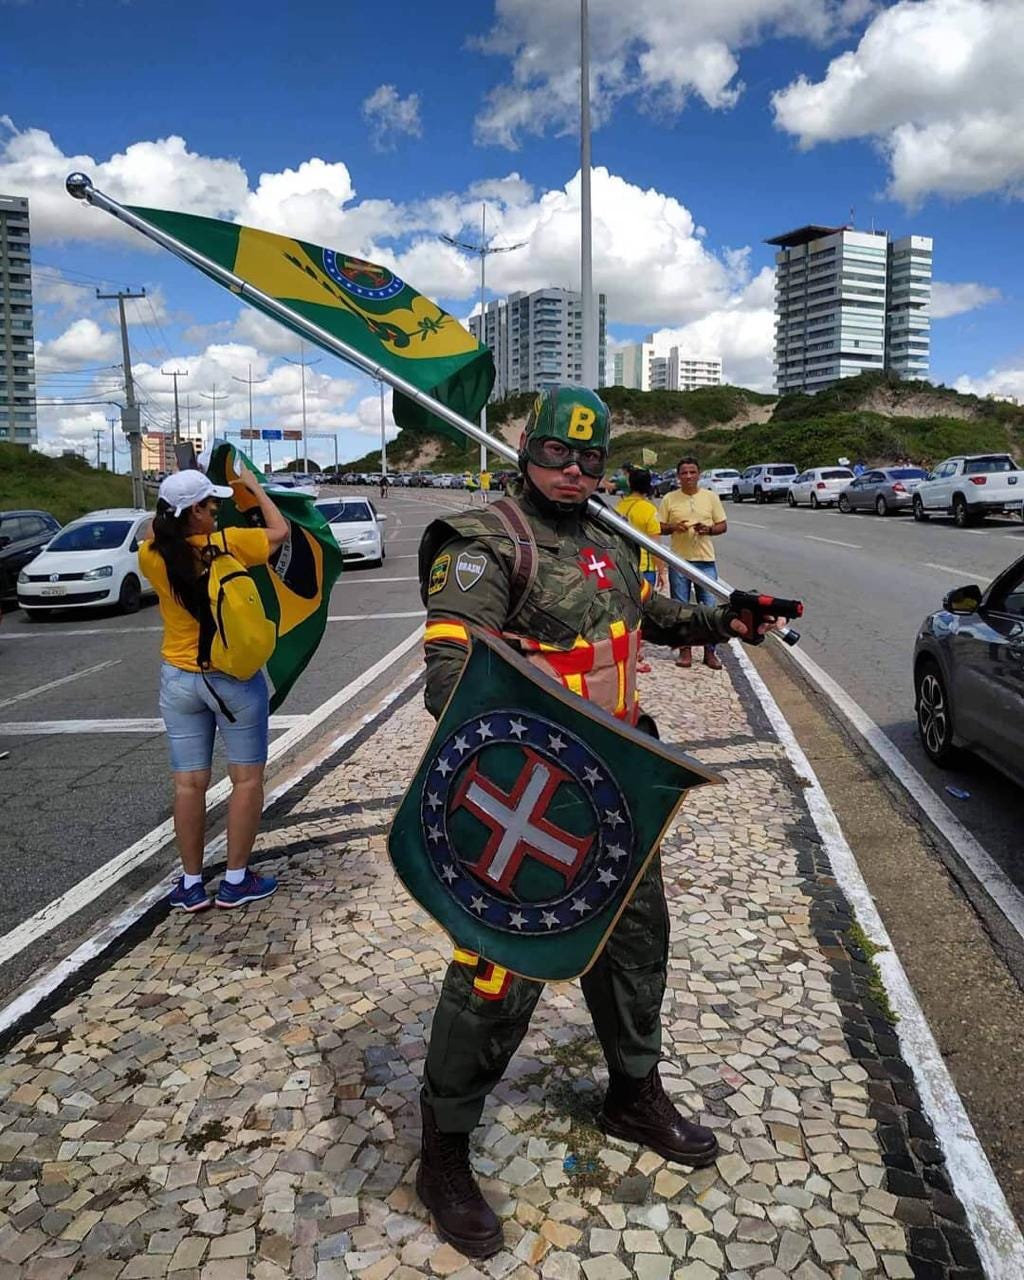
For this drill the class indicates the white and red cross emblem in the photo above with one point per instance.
(597, 566)
(517, 824)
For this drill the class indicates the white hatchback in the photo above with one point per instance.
(819, 487)
(719, 480)
(92, 561)
(357, 528)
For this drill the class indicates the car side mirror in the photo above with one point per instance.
(381, 517)
(963, 600)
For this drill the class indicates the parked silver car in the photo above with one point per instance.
(969, 674)
(883, 490)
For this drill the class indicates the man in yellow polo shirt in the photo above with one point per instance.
(693, 516)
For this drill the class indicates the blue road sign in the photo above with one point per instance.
(272, 433)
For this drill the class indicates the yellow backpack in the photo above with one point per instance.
(235, 635)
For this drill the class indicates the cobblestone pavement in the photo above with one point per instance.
(236, 1096)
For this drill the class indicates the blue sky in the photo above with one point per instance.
(371, 128)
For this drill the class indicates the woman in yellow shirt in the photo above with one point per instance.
(192, 702)
(642, 514)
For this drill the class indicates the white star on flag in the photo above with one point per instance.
(484, 731)
(606, 877)
(449, 873)
(478, 904)
(434, 800)
(517, 919)
(592, 775)
(434, 834)
(549, 918)
(613, 817)
(556, 743)
(516, 728)
(580, 905)
(461, 744)
(443, 767)
(615, 852)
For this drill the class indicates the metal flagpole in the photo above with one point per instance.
(80, 186)
(383, 441)
(587, 312)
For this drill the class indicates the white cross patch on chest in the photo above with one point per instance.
(597, 566)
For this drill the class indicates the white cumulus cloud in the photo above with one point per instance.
(950, 299)
(936, 83)
(390, 116)
(659, 51)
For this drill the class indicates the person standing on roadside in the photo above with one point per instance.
(642, 514)
(195, 703)
(384, 482)
(693, 516)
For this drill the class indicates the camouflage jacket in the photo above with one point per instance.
(582, 619)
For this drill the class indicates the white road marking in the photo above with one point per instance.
(996, 1234)
(85, 891)
(53, 684)
(854, 546)
(42, 728)
(965, 574)
(130, 631)
(112, 930)
(375, 580)
(48, 633)
(747, 524)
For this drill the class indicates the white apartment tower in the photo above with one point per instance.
(640, 367)
(536, 339)
(849, 302)
(17, 349)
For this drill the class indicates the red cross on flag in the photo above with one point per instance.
(598, 565)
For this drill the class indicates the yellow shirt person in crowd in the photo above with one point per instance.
(642, 514)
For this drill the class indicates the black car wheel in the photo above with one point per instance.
(736, 495)
(881, 506)
(961, 512)
(790, 499)
(759, 496)
(934, 716)
(844, 504)
(130, 596)
(815, 504)
(919, 511)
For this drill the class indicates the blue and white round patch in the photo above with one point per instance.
(362, 279)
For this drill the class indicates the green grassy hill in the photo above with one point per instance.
(66, 487)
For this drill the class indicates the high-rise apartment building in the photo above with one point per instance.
(640, 367)
(849, 302)
(536, 339)
(17, 351)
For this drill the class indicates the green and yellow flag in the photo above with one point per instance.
(363, 304)
(295, 587)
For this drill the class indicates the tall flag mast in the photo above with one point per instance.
(588, 314)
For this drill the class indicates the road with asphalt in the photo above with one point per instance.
(86, 774)
(867, 583)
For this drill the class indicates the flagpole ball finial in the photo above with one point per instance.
(77, 185)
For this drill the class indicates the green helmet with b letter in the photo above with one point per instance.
(567, 424)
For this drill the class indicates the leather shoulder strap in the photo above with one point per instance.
(525, 563)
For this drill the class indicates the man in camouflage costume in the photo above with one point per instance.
(580, 621)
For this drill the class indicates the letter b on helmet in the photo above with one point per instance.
(581, 422)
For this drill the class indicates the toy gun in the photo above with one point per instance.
(753, 608)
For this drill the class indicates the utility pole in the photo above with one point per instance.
(249, 381)
(302, 362)
(130, 421)
(588, 314)
(113, 447)
(213, 397)
(482, 250)
(97, 435)
(176, 374)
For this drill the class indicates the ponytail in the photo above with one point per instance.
(184, 566)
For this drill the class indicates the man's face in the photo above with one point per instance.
(570, 485)
(687, 476)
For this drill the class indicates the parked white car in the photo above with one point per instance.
(969, 487)
(764, 482)
(92, 561)
(719, 480)
(357, 528)
(819, 487)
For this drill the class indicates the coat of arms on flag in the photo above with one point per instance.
(532, 816)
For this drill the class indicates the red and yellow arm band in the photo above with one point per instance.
(491, 981)
(446, 629)
(646, 591)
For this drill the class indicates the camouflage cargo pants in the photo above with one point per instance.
(481, 1018)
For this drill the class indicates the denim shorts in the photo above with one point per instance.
(192, 716)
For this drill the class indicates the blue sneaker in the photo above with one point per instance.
(194, 899)
(251, 889)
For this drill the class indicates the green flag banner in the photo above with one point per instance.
(532, 816)
(363, 304)
(296, 587)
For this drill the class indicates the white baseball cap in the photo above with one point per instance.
(186, 488)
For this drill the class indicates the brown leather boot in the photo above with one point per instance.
(712, 660)
(641, 1111)
(684, 657)
(446, 1185)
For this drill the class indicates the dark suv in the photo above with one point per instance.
(23, 534)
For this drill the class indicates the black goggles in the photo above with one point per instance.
(556, 455)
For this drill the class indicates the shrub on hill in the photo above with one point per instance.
(66, 487)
